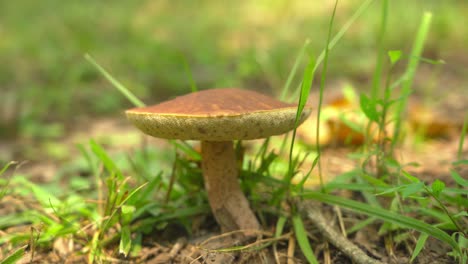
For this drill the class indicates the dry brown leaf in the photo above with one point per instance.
(63, 247)
(335, 127)
(430, 122)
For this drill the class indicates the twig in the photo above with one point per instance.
(340, 219)
(291, 248)
(177, 247)
(327, 254)
(337, 239)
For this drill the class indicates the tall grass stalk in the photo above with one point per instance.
(299, 230)
(303, 97)
(332, 43)
(188, 73)
(129, 95)
(322, 89)
(293, 71)
(462, 137)
(376, 82)
(413, 63)
(377, 77)
(329, 45)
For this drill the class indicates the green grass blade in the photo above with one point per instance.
(462, 138)
(365, 189)
(105, 159)
(302, 240)
(173, 215)
(129, 95)
(293, 71)
(4, 188)
(153, 183)
(186, 148)
(376, 189)
(305, 89)
(125, 240)
(342, 31)
(300, 185)
(130, 195)
(419, 246)
(43, 196)
(458, 179)
(304, 95)
(321, 91)
(360, 225)
(388, 216)
(460, 162)
(7, 166)
(95, 250)
(15, 257)
(280, 226)
(90, 161)
(377, 77)
(413, 63)
(189, 74)
(13, 219)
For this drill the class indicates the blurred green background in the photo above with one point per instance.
(47, 87)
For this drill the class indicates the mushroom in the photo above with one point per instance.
(217, 117)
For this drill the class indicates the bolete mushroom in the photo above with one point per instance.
(217, 117)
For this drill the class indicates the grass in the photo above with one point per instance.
(119, 207)
(411, 70)
(126, 200)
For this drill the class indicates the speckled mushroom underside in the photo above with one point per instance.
(217, 117)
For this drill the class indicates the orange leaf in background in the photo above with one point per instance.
(307, 132)
(342, 123)
(430, 122)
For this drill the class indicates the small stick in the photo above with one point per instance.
(326, 254)
(340, 220)
(291, 248)
(275, 253)
(177, 247)
(338, 240)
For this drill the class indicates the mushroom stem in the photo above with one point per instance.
(228, 203)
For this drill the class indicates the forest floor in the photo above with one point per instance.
(434, 154)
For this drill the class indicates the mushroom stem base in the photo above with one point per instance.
(228, 203)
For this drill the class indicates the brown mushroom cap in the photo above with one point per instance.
(217, 115)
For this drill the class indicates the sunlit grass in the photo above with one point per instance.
(137, 197)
